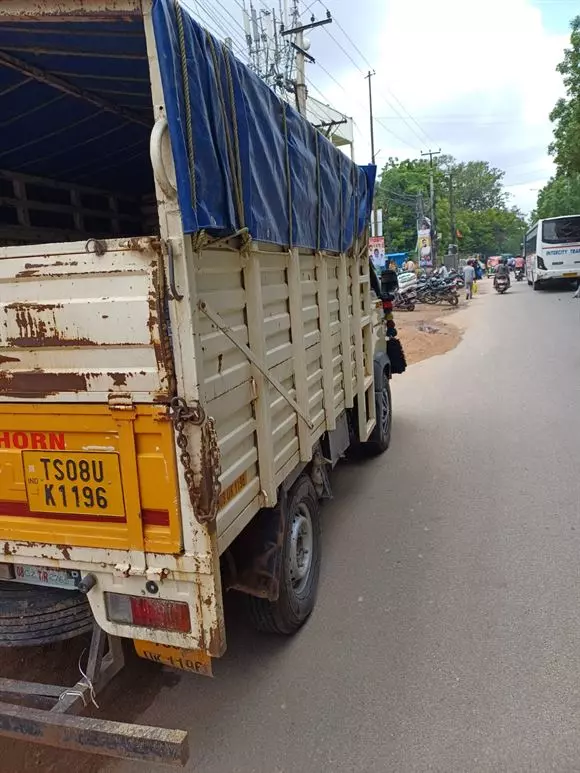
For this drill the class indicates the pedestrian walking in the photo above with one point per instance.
(469, 277)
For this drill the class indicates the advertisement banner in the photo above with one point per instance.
(377, 252)
(424, 243)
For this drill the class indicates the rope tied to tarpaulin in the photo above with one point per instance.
(187, 100)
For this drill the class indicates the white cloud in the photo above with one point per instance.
(479, 78)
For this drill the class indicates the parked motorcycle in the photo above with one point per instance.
(432, 290)
(405, 296)
(501, 284)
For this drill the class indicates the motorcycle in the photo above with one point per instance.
(501, 284)
(406, 294)
(519, 274)
(432, 290)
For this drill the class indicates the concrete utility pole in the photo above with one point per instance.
(432, 153)
(301, 88)
(301, 47)
(452, 226)
(368, 76)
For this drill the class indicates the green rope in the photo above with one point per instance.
(318, 191)
(187, 98)
(238, 170)
(233, 161)
(341, 205)
(288, 178)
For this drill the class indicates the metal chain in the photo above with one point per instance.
(202, 474)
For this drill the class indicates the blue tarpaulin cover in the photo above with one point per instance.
(244, 158)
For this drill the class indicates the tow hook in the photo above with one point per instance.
(87, 583)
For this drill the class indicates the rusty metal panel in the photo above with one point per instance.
(37, 9)
(82, 326)
(98, 736)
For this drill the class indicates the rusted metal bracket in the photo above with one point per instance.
(58, 726)
(221, 325)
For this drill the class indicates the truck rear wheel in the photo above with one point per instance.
(299, 566)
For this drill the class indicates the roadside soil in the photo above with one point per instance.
(432, 330)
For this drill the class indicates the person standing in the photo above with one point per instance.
(469, 277)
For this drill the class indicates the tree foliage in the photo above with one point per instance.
(482, 217)
(566, 114)
(560, 196)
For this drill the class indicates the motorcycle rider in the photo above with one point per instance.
(502, 270)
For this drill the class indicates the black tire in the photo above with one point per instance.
(31, 615)
(297, 594)
(380, 438)
(452, 300)
(536, 285)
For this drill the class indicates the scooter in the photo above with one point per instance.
(519, 274)
(501, 284)
(406, 294)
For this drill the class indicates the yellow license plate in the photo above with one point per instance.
(76, 483)
(571, 274)
(177, 657)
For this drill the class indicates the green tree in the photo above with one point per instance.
(478, 186)
(492, 231)
(566, 114)
(560, 196)
(481, 214)
(400, 185)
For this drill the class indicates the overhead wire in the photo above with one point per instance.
(400, 115)
(217, 27)
(386, 128)
(364, 58)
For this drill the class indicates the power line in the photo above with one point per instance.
(401, 116)
(215, 25)
(389, 131)
(368, 64)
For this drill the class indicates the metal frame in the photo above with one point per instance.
(58, 725)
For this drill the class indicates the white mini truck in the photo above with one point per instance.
(189, 342)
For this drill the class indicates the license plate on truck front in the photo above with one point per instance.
(75, 483)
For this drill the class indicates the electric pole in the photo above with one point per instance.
(368, 76)
(432, 153)
(452, 226)
(300, 45)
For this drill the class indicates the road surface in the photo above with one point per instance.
(447, 631)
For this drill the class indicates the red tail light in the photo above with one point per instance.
(153, 613)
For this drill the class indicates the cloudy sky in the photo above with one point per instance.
(476, 79)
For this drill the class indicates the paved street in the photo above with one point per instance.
(447, 631)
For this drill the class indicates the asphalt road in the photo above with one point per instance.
(447, 631)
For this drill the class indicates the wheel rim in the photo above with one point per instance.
(301, 550)
(386, 412)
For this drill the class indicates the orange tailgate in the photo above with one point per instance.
(89, 476)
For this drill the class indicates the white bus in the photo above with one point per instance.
(552, 250)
